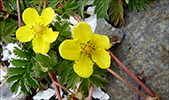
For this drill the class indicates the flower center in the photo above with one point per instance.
(87, 48)
(38, 29)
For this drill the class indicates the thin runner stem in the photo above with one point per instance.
(125, 82)
(90, 92)
(53, 77)
(130, 73)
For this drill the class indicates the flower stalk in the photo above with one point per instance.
(19, 15)
(131, 74)
(52, 75)
(54, 81)
(90, 92)
(125, 82)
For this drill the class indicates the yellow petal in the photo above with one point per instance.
(69, 49)
(82, 32)
(102, 58)
(47, 16)
(49, 36)
(24, 34)
(30, 16)
(40, 46)
(101, 41)
(83, 66)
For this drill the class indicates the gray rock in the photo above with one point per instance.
(104, 28)
(144, 49)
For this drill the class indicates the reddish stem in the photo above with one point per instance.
(53, 77)
(54, 81)
(2, 68)
(90, 92)
(138, 88)
(19, 17)
(77, 18)
(44, 5)
(131, 74)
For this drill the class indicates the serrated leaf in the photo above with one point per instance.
(141, 4)
(116, 13)
(64, 5)
(15, 86)
(10, 30)
(43, 59)
(99, 71)
(13, 78)
(53, 3)
(27, 87)
(21, 53)
(19, 62)
(101, 8)
(24, 88)
(98, 81)
(32, 82)
(66, 33)
(13, 71)
(69, 12)
(53, 57)
(80, 4)
(71, 79)
(84, 86)
(64, 69)
(60, 10)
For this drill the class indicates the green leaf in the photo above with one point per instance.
(15, 86)
(141, 4)
(64, 5)
(21, 53)
(101, 8)
(13, 71)
(19, 62)
(60, 10)
(66, 33)
(43, 59)
(98, 81)
(72, 78)
(116, 13)
(69, 12)
(27, 87)
(24, 88)
(10, 30)
(31, 81)
(84, 86)
(53, 56)
(64, 69)
(80, 4)
(53, 3)
(99, 71)
(13, 78)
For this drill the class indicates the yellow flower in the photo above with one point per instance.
(36, 28)
(86, 48)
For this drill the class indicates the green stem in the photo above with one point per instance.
(63, 14)
(131, 74)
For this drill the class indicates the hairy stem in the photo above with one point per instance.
(54, 81)
(131, 74)
(19, 15)
(77, 18)
(125, 82)
(53, 77)
(90, 92)
(44, 5)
